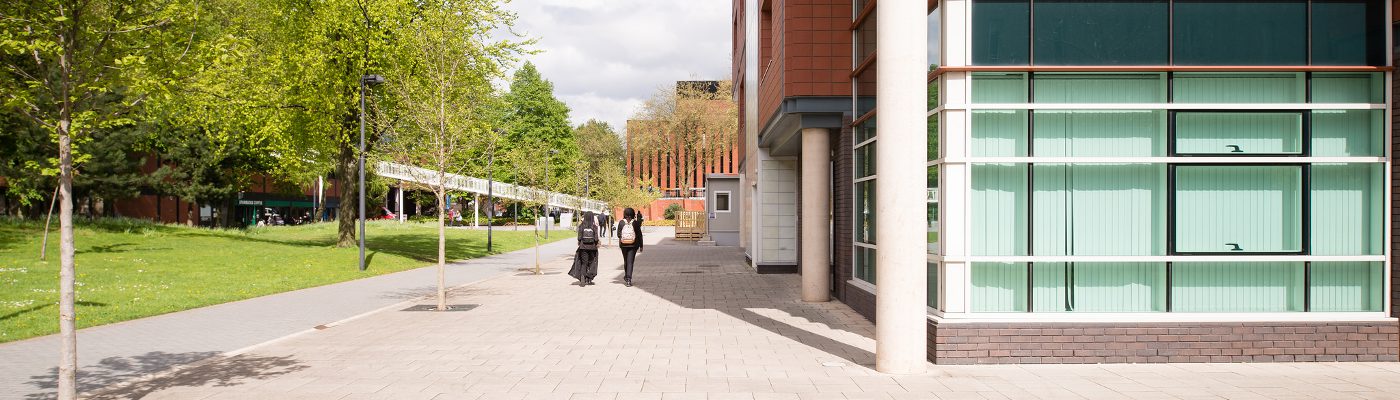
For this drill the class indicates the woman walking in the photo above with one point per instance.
(629, 239)
(586, 258)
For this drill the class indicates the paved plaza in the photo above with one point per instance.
(697, 325)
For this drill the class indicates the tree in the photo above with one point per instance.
(600, 151)
(445, 83)
(690, 122)
(534, 176)
(73, 67)
(535, 116)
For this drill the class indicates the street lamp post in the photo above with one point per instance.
(490, 186)
(364, 81)
(548, 219)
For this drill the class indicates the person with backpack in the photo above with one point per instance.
(629, 239)
(586, 257)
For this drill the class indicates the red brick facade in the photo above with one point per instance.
(805, 50)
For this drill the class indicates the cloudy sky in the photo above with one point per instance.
(606, 56)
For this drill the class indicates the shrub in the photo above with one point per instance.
(670, 213)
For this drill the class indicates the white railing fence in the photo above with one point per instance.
(470, 184)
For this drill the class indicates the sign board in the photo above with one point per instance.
(250, 202)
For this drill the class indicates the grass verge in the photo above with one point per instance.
(129, 269)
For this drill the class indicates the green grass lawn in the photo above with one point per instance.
(129, 269)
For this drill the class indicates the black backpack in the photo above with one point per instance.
(588, 238)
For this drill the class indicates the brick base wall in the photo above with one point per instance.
(861, 301)
(1031, 342)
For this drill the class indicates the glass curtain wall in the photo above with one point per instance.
(1175, 208)
(1172, 205)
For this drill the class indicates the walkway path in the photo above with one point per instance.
(123, 351)
(698, 325)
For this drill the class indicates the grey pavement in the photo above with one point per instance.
(699, 324)
(123, 351)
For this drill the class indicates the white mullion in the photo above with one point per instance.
(868, 178)
(865, 245)
(866, 142)
(1389, 122)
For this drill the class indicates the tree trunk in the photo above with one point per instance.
(346, 168)
(190, 214)
(442, 250)
(67, 316)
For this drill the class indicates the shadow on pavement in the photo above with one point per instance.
(717, 278)
(116, 370)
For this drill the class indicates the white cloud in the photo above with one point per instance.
(605, 56)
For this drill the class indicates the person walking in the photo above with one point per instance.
(586, 257)
(629, 239)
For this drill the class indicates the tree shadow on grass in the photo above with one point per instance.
(232, 371)
(16, 314)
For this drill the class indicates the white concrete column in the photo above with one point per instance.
(816, 206)
(476, 210)
(901, 96)
(402, 217)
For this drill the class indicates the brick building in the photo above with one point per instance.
(670, 171)
(1090, 181)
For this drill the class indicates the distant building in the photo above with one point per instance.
(664, 170)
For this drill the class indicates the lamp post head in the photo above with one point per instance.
(372, 79)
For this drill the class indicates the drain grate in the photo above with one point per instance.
(709, 265)
(450, 307)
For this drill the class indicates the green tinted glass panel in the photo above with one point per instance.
(1102, 32)
(865, 160)
(1100, 209)
(1346, 286)
(1237, 287)
(1097, 88)
(1255, 209)
(865, 264)
(1348, 87)
(1238, 133)
(865, 91)
(932, 210)
(865, 211)
(933, 286)
(999, 201)
(999, 88)
(999, 133)
(1348, 32)
(1348, 133)
(1240, 32)
(1100, 287)
(865, 130)
(932, 153)
(1213, 87)
(1348, 209)
(1001, 32)
(998, 287)
(1100, 133)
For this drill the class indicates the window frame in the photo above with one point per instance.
(728, 197)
